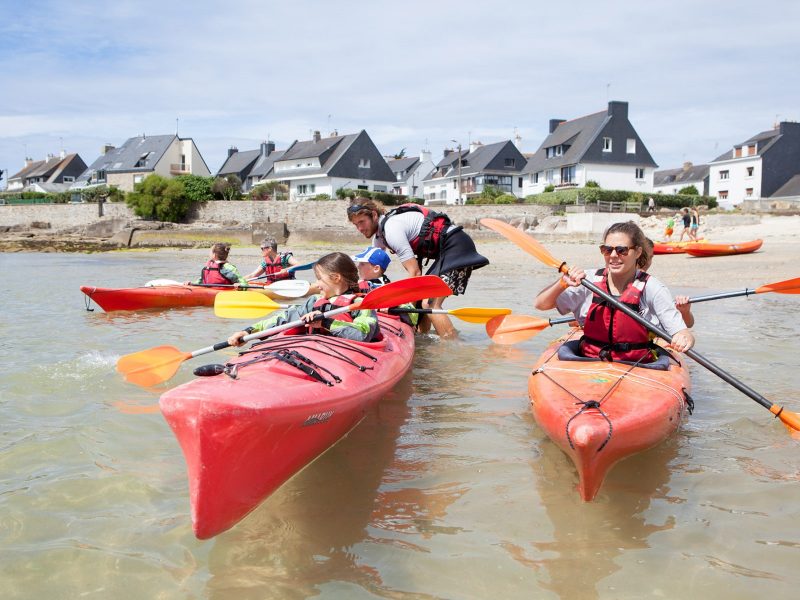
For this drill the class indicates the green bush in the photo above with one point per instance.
(689, 190)
(592, 184)
(592, 195)
(322, 197)
(159, 198)
(198, 188)
(549, 188)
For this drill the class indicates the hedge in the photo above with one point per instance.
(592, 195)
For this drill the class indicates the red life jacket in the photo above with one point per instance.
(608, 333)
(326, 304)
(212, 273)
(273, 266)
(428, 242)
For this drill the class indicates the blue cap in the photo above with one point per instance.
(373, 256)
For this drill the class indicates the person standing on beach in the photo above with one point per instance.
(651, 204)
(694, 224)
(670, 228)
(687, 222)
(416, 234)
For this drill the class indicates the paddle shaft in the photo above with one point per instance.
(304, 267)
(722, 295)
(722, 374)
(270, 331)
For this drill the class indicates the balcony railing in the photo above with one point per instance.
(178, 168)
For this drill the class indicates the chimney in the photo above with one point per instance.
(474, 146)
(62, 155)
(267, 148)
(424, 155)
(317, 137)
(232, 150)
(334, 133)
(555, 123)
(106, 148)
(687, 166)
(618, 109)
(447, 152)
(28, 161)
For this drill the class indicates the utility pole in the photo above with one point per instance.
(459, 201)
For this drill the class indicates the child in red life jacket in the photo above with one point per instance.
(217, 270)
(372, 264)
(274, 264)
(337, 278)
(609, 334)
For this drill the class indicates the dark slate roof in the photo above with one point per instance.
(578, 133)
(402, 165)
(238, 162)
(765, 139)
(480, 160)
(123, 159)
(451, 158)
(790, 188)
(22, 173)
(263, 166)
(327, 150)
(689, 175)
(45, 168)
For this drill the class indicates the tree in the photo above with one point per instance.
(198, 188)
(101, 193)
(399, 155)
(159, 198)
(689, 190)
(229, 187)
(490, 192)
(270, 190)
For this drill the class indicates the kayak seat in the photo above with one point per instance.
(570, 350)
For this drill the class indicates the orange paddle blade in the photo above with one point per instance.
(790, 286)
(524, 241)
(512, 329)
(151, 367)
(788, 418)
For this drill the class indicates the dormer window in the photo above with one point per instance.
(142, 162)
(363, 163)
(510, 162)
(606, 144)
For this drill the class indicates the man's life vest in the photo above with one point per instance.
(326, 304)
(273, 266)
(434, 227)
(212, 273)
(608, 333)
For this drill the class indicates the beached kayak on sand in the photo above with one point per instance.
(600, 412)
(674, 247)
(723, 249)
(292, 398)
(179, 295)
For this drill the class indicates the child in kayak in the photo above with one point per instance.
(609, 334)
(337, 278)
(218, 271)
(372, 264)
(274, 264)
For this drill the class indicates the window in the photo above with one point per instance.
(549, 175)
(363, 163)
(737, 152)
(454, 184)
(724, 174)
(749, 192)
(553, 151)
(550, 152)
(606, 144)
(302, 189)
(68, 179)
(363, 187)
(749, 171)
(535, 177)
(723, 194)
(630, 146)
(142, 162)
(639, 173)
(519, 181)
(138, 178)
(568, 174)
(751, 150)
(510, 162)
(379, 188)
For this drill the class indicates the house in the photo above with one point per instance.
(410, 172)
(239, 164)
(325, 165)
(264, 165)
(602, 147)
(52, 175)
(671, 181)
(499, 165)
(138, 157)
(758, 167)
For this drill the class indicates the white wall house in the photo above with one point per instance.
(602, 147)
(410, 172)
(672, 181)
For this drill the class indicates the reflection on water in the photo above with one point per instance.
(446, 490)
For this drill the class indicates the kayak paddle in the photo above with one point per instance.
(790, 419)
(470, 315)
(518, 328)
(304, 267)
(156, 365)
(244, 305)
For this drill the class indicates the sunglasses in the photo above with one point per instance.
(620, 250)
(354, 208)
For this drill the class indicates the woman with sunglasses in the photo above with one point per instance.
(609, 334)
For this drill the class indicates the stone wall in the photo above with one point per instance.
(60, 217)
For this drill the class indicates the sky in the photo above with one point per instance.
(698, 76)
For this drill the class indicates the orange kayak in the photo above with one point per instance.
(723, 249)
(673, 247)
(599, 412)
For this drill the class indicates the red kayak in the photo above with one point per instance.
(178, 295)
(601, 412)
(723, 249)
(276, 408)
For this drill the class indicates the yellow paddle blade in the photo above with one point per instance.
(790, 286)
(243, 305)
(511, 329)
(524, 241)
(478, 315)
(151, 367)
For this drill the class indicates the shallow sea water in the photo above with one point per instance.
(446, 490)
